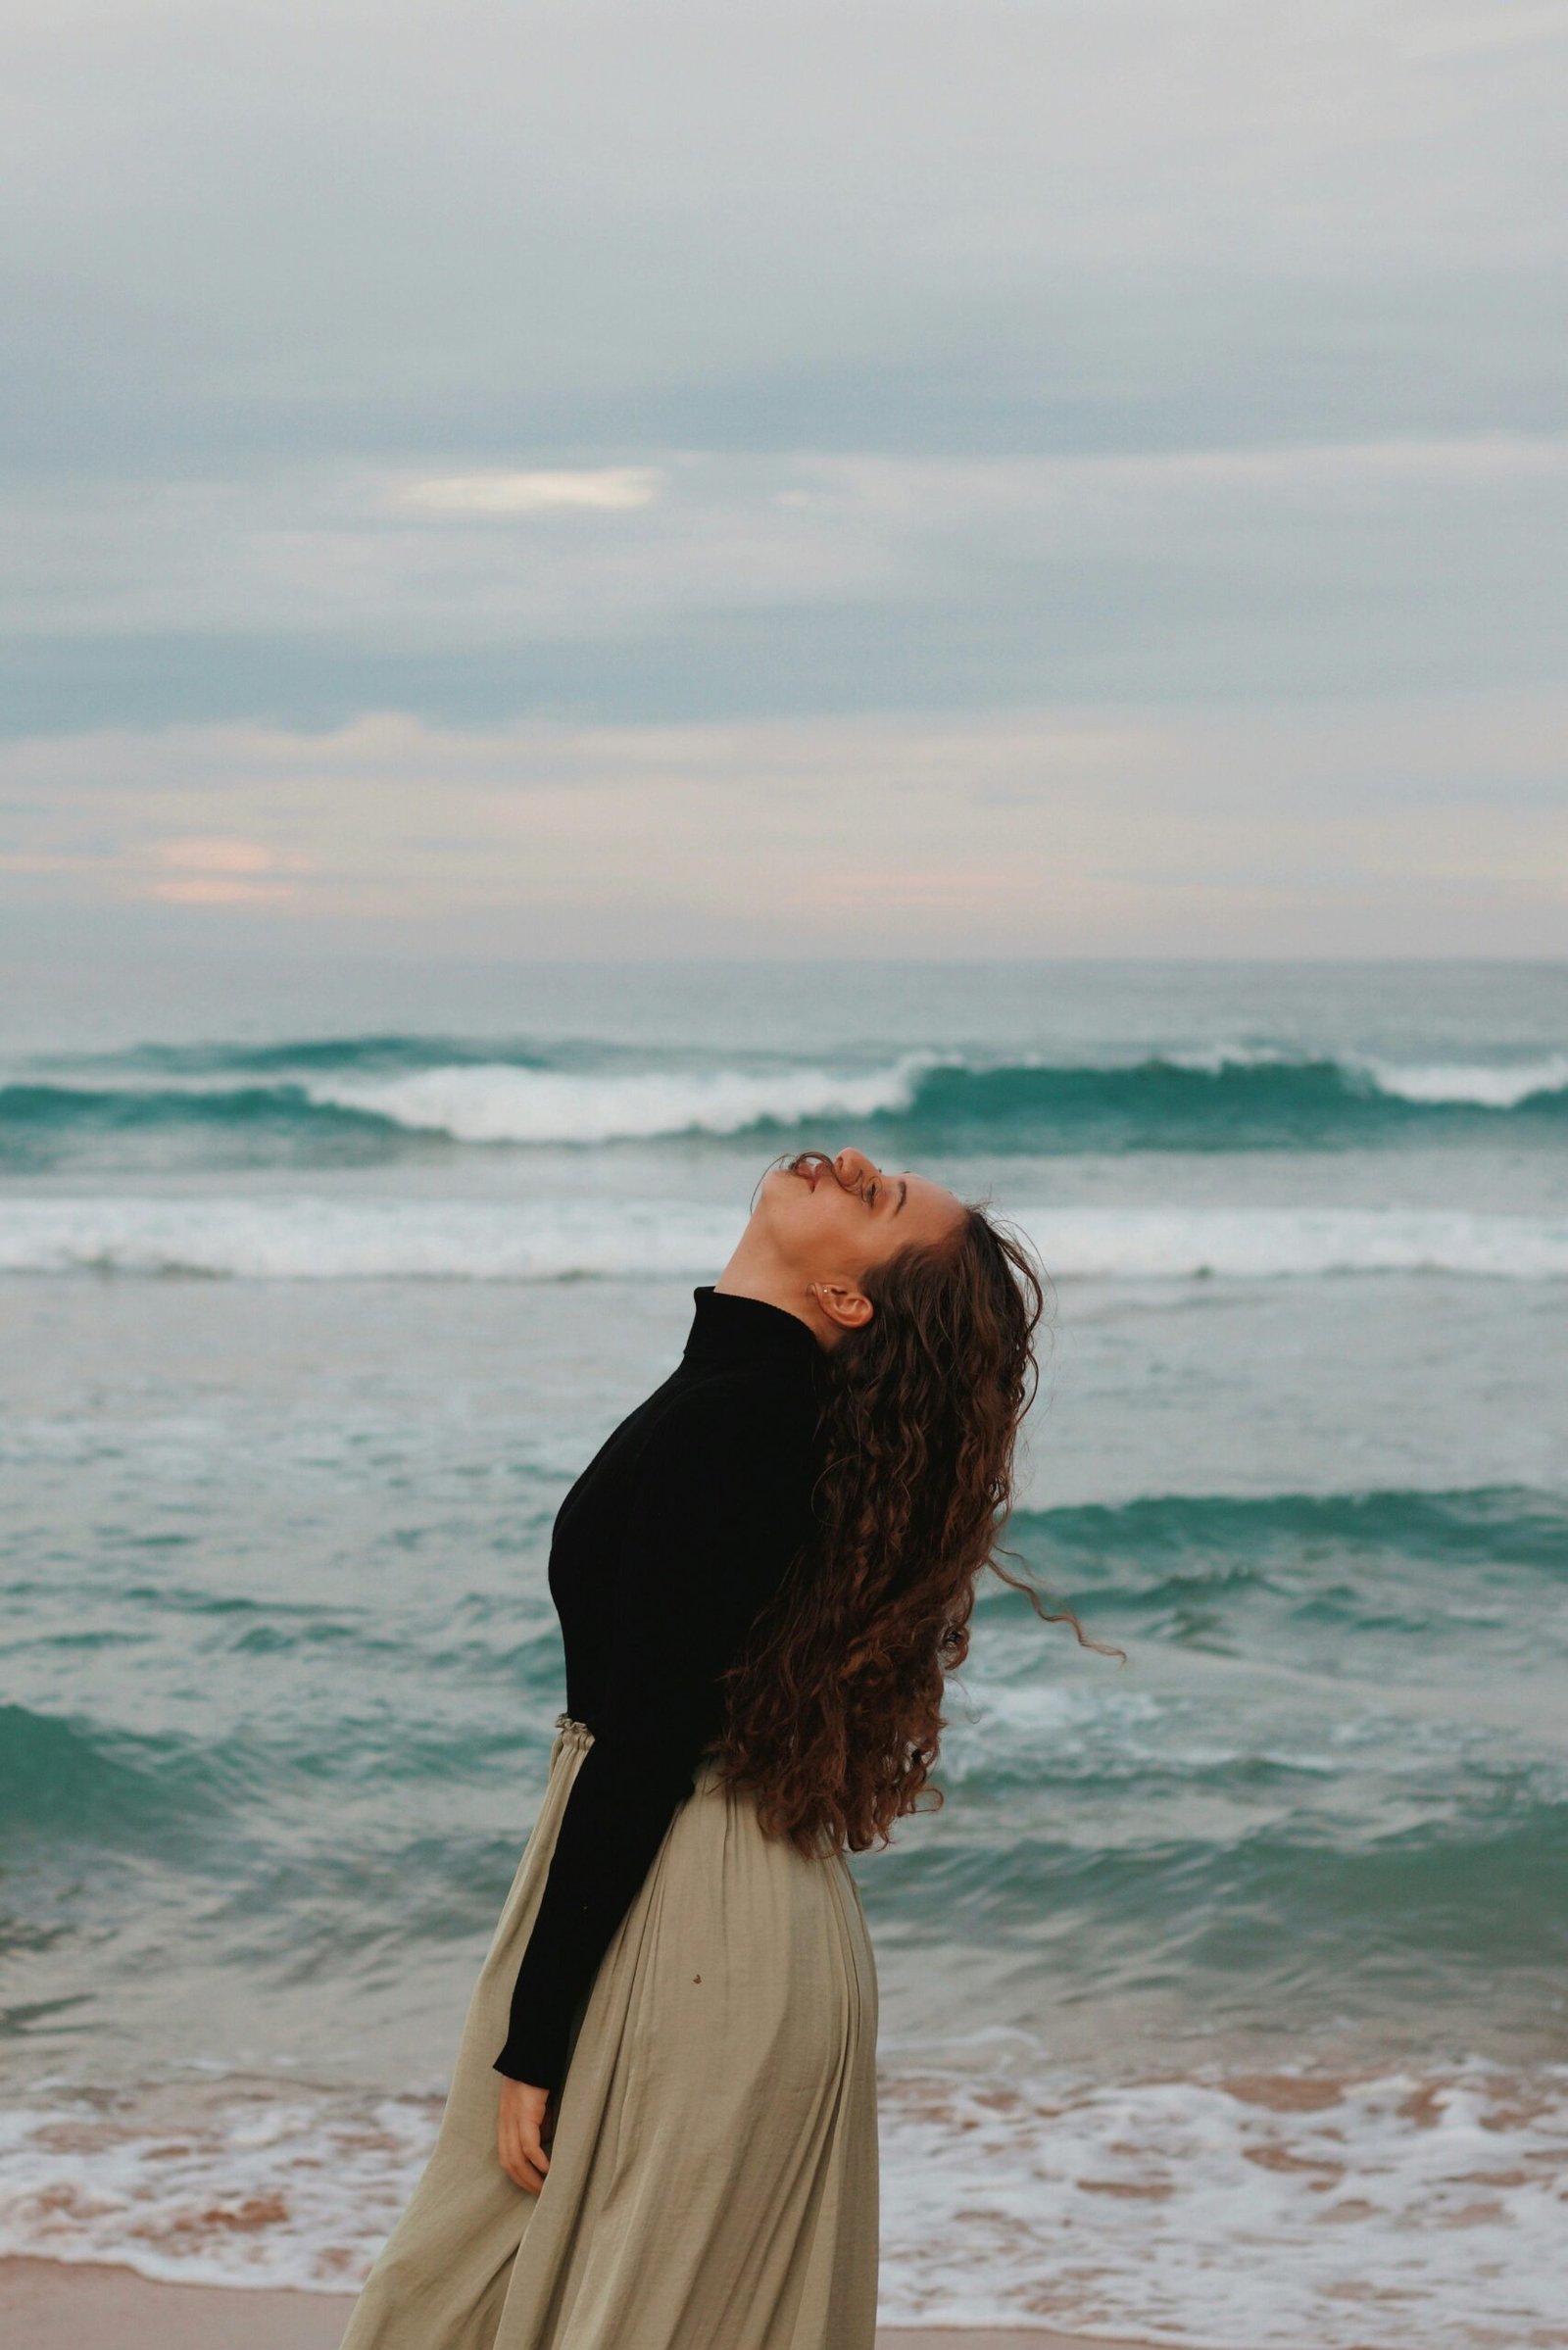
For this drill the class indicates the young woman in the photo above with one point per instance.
(661, 2128)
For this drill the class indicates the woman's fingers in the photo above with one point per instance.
(515, 2160)
(520, 2171)
(525, 2160)
(520, 2134)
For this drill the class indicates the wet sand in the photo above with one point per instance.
(47, 2305)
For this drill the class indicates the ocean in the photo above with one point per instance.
(1224, 1998)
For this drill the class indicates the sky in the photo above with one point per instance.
(997, 477)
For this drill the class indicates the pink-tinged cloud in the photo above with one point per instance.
(1421, 826)
(222, 869)
(213, 891)
(219, 853)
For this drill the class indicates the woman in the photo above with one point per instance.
(661, 2130)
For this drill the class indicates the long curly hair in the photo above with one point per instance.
(834, 1716)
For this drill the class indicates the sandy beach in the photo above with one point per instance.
(49, 2306)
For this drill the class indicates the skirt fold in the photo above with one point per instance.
(714, 2176)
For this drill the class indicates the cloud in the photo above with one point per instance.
(751, 583)
(606, 489)
(624, 224)
(1092, 472)
(1360, 830)
(216, 869)
(212, 889)
(216, 855)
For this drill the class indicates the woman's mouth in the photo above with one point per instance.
(811, 1166)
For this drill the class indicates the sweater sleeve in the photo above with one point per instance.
(716, 1520)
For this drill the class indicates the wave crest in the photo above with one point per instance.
(498, 1102)
(308, 1237)
(322, 1103)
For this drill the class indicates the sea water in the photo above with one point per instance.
(1223, 2000)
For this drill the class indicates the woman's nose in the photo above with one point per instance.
(852, 1166)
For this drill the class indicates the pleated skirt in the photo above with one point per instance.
(712, 2182)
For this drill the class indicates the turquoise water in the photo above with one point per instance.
(316, 1298)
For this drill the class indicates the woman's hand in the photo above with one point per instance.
(520, 2133)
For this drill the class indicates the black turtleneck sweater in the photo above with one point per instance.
(672, 1539)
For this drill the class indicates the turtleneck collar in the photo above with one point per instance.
(729, 1329)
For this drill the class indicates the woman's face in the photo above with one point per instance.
(832, 1219)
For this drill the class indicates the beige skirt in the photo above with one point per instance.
(713, 2182)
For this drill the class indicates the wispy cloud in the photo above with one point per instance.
(603, 489)
(1098, 457)
(1433, 827)
(212, 889)
(853, 577)
(215, 869)
(220, 857)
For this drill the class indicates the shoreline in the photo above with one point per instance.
(80, 2305)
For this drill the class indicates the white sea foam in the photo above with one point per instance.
(1130, 1244)
(1252, 2212)
(498, 1102)
(1480, 1085)
(1211, 1060)
(312, 1238)
(1485, 1085)
(503, 1102)
(318, 1236)
(240, 2184)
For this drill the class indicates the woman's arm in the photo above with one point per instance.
(720, 1511)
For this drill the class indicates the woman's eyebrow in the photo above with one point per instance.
(904, 1193)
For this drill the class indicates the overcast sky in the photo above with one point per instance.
(875, 477)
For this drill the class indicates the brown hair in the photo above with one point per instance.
(835, 1715)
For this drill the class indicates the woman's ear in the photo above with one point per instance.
(849, 1309)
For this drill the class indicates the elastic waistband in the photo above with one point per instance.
(572, 1732)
